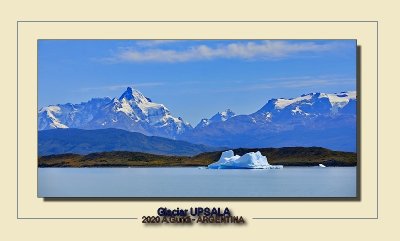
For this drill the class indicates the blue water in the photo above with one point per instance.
(195, 182)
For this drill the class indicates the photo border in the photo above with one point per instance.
(249, 199)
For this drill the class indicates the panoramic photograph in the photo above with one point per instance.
(197, 118)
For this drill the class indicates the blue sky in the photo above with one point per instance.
(193, 78)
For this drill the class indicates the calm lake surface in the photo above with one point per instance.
(196, 182)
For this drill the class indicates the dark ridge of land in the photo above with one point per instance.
(84, 142)
(287, 156)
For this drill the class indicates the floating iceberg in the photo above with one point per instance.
(251, 160)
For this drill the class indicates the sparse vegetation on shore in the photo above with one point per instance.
(287, 156)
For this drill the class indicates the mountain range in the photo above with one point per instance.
(314, 119)
(132, 111)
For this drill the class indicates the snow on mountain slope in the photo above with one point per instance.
(223, 116)
(219, 117)
(340, 99)
(320, 119)
(315, 119)
(51, 112)
(132, 111)
(313, 104)
(283, 103)
(203, 123)
(69, 115)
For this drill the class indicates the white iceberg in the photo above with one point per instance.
(251, 160)
(322, 165)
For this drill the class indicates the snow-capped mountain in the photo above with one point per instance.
(132, 111)
(70, 115)
(315, 119)
(219, 117)
(310, 104)
(307, 107)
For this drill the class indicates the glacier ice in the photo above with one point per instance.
(251, 160)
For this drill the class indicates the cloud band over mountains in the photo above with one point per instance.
(266, 49)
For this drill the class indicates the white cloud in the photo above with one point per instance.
(270, 49)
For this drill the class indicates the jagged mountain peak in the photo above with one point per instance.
(223, 116)
(228, 112)
(219, 117)
(132, 111)
(309, 114)
(313, 119)
(203, 123)
(133, 95)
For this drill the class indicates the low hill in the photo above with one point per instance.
(78, 141)
(287, 156)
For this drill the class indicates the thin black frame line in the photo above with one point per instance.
(82, 218)
(315, 218)
(357, 197)
(198, 21)
(377, 120)
(17, 122)
(377, 23)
